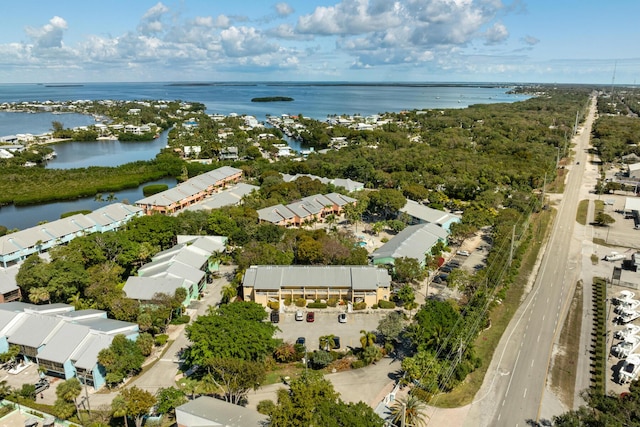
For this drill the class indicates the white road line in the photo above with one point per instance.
(538, 338)
(532, 363)
(525, 393)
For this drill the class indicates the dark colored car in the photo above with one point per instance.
(275, 317)
(301, 341)
(336, 343)
(310, 316)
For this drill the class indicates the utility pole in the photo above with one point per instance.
(513, 242)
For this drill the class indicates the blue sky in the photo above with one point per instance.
(546, 41)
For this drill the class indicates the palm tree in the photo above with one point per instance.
(367, 339)
(69, 391)
(409, 411)
(5, 389)
(37, 295)
(327, 343)
(229, 292)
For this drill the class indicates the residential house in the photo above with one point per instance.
(308, 210)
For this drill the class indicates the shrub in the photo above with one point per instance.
(357, 364)
(150, 190)
(274, 305)
(287, 301)
(301, 302)
(332, 302)
(181, 320)
(161, 339)
(265, 407)
(317, 305)
(360, 305)
(28, 391)
(321, 359)
(374, 306)
(386, 304)
(384, 240)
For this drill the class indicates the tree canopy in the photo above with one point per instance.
(235, 330)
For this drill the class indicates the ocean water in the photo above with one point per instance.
(315, 100)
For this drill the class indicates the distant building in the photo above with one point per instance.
(414, 242)
(191, 191)
(17, 246)
(421, 214)
(310, 208)
(273, 283)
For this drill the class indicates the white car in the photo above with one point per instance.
(299, 316)
(463, 253)
(342, 318)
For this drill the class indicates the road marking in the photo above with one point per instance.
(543, 316)
(504, 400)
(532, 363)
(499, 415)
(510, 379)
(538, 338)
(525, 393)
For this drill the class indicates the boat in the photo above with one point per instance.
(626, 347)
(627, 331)
(624, 296)
(630, 368)
(630, 304)
(627, 316)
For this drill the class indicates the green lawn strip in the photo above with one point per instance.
(500, 316)
(583, 209)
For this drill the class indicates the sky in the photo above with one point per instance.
(539, 41)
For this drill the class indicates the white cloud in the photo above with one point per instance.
(496, 34)
(151, 22)
(49, 35)
(283, 9)
(530, 40)
(244, 41)
(222, 21)
(156, 12)
(203, 21)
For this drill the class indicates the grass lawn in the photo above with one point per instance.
(583, 209)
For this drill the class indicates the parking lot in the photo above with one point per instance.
(326, 323)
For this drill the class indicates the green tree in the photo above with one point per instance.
(405, 295)
(391, 326)
(235, 330)
(169, 399)
(408, 270)
(321, 359)
(409, 411)
(121, 359)
(367, 339)
(604, 219)
(235, 377)
(312, 401)
(145, 343)
(67, 394)
(135, 403)
(386, 202)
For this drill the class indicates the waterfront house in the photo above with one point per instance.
(273, 283)
(309, 209)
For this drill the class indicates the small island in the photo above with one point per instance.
(272, 99)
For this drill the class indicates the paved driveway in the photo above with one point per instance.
(326, 323)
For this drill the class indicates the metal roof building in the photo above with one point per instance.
(358, 283)
(414, 242)
(422, 214)
(208, 411)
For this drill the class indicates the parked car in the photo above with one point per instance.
(301, 341)
(342, 317)
(463, 253)
(336, 343)
(275, 316)
(299, 316)
(42, 385)
(446, 269)
(311, 316)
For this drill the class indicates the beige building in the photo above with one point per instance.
(353, 283)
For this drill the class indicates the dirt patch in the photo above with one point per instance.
(563, 371)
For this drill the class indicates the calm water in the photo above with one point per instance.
(315, 100)
(27, 216)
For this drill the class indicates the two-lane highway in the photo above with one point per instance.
(513, 389)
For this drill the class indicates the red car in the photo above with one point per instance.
(310, 316)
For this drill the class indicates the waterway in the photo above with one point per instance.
(79, 155)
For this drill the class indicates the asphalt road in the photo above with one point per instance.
(514, 388)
